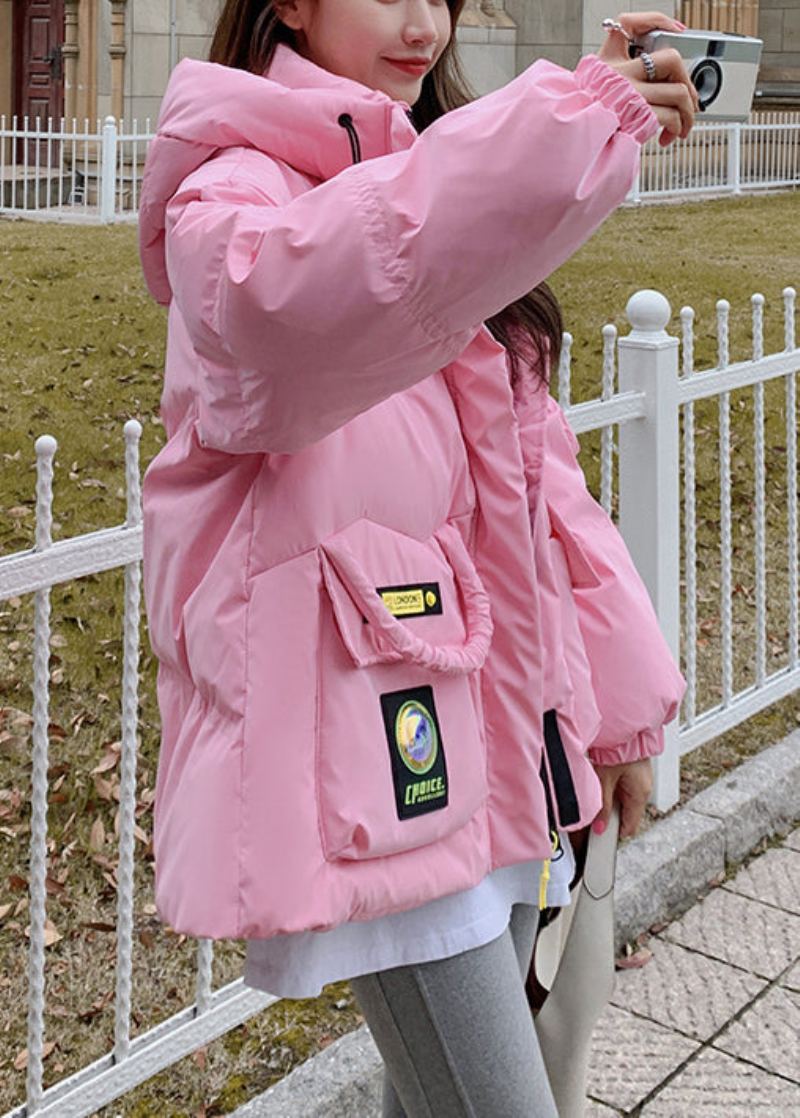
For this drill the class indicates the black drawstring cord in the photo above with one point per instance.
(346, 122)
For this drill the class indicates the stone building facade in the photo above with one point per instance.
(91, 58)
(779, 27)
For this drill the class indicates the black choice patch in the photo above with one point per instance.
(415, 599)
(416, 751)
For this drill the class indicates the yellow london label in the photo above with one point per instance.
(412, 600)
(403, 602)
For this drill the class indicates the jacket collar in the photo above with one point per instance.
(319, 99)
(291, 113)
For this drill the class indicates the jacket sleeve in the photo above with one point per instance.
(636, 682)
(309, 312)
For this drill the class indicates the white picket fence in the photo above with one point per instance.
(763, 154)
(72, 173)
(83, 174)
(649, 396)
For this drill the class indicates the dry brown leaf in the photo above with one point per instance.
(97, 837)
(4, 910)
(51, 933)
(97, 1006)
(12, 715)
(108, 762)
(199, 1058)
(102, 787)
(54, 887)
(636, 960)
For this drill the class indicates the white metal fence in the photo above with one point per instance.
(650, 394)
(651, 401)
(72, 173)
(722, 158)
(84, 174)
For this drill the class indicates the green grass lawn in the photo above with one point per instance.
(82, 352)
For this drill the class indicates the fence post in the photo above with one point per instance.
(108, 170)
(735, 157)
(649, 487)
(635, 194)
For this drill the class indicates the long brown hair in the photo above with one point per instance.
(246, 35)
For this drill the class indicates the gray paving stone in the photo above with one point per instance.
(793, 840)
(759, 799)
(767, 1034)
(740, 931)
(715, 1085)
(773, 878)
(792, 979)
(599, 1110)
(661, 872)
(631, 1056)
(685, 991)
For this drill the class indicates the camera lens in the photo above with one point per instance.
(707, 80)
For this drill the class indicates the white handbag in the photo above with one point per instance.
(573, 962)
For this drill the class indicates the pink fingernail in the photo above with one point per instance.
(682, 26)
(598, 826)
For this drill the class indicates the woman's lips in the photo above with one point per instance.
(415, 69)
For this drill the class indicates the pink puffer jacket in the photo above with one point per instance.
(339, 557)
(609, 675)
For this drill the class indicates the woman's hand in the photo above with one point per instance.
(630, 785)
(671, 94)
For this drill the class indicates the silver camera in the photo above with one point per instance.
(723, 68)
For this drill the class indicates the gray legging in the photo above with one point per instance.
(456, 1035)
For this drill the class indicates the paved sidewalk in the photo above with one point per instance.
(710, 1026)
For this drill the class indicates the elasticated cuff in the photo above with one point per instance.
(647, 743)
(616, 93)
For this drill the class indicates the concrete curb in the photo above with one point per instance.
(659, 875)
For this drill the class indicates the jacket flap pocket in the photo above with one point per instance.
(582, 571)
(398, 598)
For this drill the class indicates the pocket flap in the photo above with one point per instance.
(582, 571)
(398, 598)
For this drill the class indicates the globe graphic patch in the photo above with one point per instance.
(416, 737)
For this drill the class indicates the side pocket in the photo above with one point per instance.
(581, 569)
(405, 628)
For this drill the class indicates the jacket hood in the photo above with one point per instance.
(291, 112)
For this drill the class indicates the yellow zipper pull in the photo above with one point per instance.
(545, 875)
(543, 880)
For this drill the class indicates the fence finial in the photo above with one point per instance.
(648, 313)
